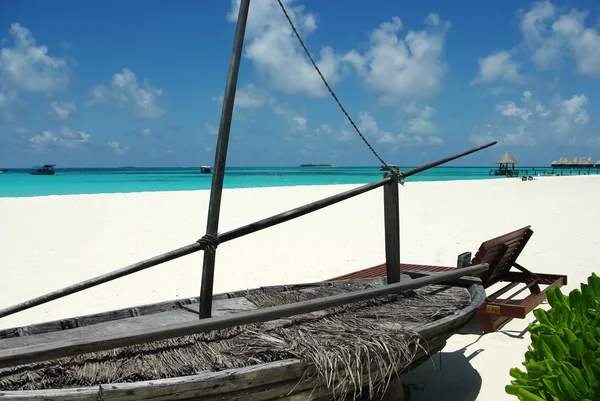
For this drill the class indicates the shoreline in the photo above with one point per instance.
(49, 242)
(406, 183)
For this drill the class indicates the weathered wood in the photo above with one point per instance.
(444, 160)
(225, 307)
(301, 211)
(60, 349)
(104, 278)
(391, 210)
(112, 327)
(187, 313)
(291, 380)
(195, 247)
(216, 190)
(464, 260)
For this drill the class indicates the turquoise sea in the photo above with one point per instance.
(19, 183)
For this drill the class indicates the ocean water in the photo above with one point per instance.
(19, 183)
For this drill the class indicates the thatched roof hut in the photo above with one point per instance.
(582, 162)
(507, 158)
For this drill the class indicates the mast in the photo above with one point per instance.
(212, 225)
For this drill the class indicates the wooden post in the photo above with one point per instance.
(464, 260)
(212, 225)
(391, 210)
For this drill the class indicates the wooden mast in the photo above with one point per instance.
(212, 225)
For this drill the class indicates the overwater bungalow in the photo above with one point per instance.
(506, 166)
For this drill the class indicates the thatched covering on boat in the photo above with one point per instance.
(375, 339)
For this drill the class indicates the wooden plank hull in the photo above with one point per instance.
(289, 379)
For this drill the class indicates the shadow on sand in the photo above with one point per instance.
(449, 376)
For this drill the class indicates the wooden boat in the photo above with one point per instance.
(314, 341)
(279, 359)
(205, 169)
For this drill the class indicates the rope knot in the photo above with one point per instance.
(209, 242)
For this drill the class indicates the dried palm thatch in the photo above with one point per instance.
(373, 339)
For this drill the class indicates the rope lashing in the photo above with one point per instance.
(209, 242)
(391, 168)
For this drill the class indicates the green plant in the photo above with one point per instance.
(563, 361)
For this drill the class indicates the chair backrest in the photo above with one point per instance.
(501, 253)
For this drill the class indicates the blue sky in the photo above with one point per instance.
(140, 83)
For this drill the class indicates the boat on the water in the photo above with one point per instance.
(325, 354)
(205, 169)
(46, 169)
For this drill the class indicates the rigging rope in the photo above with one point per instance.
(394, 170)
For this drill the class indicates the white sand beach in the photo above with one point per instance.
(50, 242)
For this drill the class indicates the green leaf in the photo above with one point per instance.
(577, 303)
(542, 317)
(567, 388)
(569, 336)
(513, 389)
(545, 352)
(587, 360)
(594, 283)
(557, 346)
(577, 348)
(589, 341)
(576, 378)
(525, 395)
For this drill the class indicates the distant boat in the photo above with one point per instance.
(46, 169)
(316, 165)
(205, 169)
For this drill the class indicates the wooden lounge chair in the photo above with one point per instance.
(501, 254)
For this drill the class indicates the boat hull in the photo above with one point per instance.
(289, 379)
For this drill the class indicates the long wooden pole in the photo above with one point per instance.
(227, 236)
(66, 348)
(391, 213)
(445, 160)
(195, 247)
(214, 208)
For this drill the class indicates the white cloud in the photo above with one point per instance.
(251, 97)
(45, 140)
(212, 129)
(498, 67)
(531, 122)
(549, 36)
(7, 104)
(28, 67)
(124, 90)
(116, 147)
(409, 67)
(369, 126)
(65, 45)
(145, 132)
(420, 119)
(62, 110)
(276, 53)
(343, 134)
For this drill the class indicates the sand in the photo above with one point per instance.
(50, 242)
